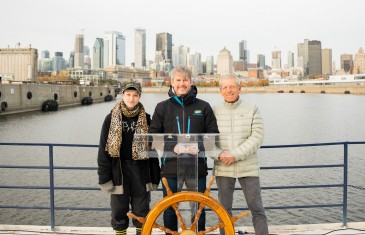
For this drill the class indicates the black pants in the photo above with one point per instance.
(135, 195)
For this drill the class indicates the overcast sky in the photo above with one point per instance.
(205, 26)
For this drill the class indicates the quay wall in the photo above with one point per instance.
(355, 90)
(17, 98)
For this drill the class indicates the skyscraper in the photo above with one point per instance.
(244, 53)
(327, 61)
(314, 57)
(163, 47)
(114, 48)
(139, 48)
(210, 64)
(347, 62)
(261, 61)
(98, 54)
(302, 60)
(45, 54)
(224, 62)
(310, 57)
(276, 59)
(58, 62)
(359, 62)
(180, 55)
(79, 51)
(290, 59)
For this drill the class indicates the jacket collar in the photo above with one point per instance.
(233, 105)
(186, 99)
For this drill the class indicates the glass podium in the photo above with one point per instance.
(184, 160)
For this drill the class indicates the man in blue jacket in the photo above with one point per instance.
(182, 113)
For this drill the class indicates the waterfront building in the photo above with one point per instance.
(163, 47)
(210, 65)
(79, 51)
(122, 73)
(114, 48)
(347, 62)
(244, 53)
(224, 62)
(98, 54)
(20, 64)
(261, 61)
(359, 62)
(327, 61)
(140, 48)
(276, 60)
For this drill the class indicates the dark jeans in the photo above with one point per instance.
(169, 216)
(135, 195)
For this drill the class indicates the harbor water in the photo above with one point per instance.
(289, 119)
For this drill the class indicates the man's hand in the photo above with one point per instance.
(190, 149)
(226, 157)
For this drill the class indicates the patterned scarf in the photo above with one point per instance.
(139, 144)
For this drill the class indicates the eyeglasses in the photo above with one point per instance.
(224, 88)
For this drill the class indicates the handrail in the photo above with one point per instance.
(52, 186)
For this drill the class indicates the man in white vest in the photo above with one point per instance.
(241, 131)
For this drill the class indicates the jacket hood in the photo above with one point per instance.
(186, 99)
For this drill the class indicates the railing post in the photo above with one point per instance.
(51, 187)
(345, 174)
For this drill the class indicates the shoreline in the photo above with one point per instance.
(355, 90)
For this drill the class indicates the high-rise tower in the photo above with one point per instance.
(163, 47)
(79, 51)
(114, 49)
(140, 48)
(98, 54)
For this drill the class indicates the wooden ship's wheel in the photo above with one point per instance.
(172, 200)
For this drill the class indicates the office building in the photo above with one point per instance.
(359, 62)
(310, 57)
(140, 48)
(79, 51)
(290, 59)
(163, 47)
(114, 49)
(261, 61)
(224, 62)
(276, 60)
(327, 61)
(314, 57)
(244, 53)
(210, 65)
(347, 62)
(98, 54)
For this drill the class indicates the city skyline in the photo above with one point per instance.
(203, 26)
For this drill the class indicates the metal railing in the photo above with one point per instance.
(52, 207)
